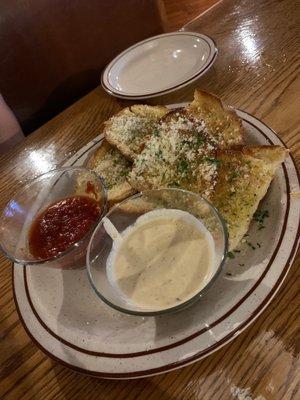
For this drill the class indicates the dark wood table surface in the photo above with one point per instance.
(257, 70)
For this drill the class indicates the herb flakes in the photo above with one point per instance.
(212, 160)
(259, 216)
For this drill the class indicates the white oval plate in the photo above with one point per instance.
(68, 322)
(159, 65)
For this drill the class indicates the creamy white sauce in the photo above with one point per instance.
(163, 259)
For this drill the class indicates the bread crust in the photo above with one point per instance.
(103, 161)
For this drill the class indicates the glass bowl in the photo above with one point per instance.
(34, 198)
(125, 214)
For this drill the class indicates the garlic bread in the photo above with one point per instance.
(113, 168)
(244, 175)
(221, 122)
(128, 129)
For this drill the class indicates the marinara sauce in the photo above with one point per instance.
(61, 225)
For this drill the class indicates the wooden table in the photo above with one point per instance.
(257, 70)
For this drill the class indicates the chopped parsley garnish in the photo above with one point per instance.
(199, 141)
(251, 245)
(174, 184)
(259, 217)
(124, 173)
(156, 133)
(233, 176)
(231, 254)
(182, 166)
(187, 142)
(212, 160)
(159, 153)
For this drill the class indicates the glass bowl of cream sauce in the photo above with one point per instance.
(157, 252)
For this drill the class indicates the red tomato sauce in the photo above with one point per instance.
(61, 225)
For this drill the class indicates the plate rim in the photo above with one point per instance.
(266, 301)
(195, 334)
(210, 60)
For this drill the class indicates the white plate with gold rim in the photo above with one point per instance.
(159, 65)
(64, 317)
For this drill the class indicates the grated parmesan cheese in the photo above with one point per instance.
(131, 128)
(176, 156)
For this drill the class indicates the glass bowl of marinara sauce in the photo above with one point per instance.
(50, 220)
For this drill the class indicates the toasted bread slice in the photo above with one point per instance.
(113, 167)
(179, 154)
(244, 176)
(222, 122)
(137, 206)
(128, 129)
